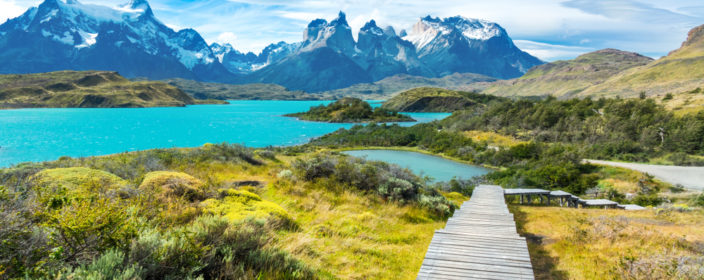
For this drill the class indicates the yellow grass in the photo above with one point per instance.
(344, 234)
(567, 243)
(492, 138)
(684, 103)
(354, 236)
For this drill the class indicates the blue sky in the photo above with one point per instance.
(548, 29)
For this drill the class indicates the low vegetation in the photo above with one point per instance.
(542, 143)
(219, 211)
(565, 243)
(350, 110)
(88, 89)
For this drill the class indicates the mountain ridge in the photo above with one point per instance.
(69, 35)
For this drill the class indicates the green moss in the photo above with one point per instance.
(239, 205)
(56, 187)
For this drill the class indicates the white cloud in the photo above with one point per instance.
(227, 38)
(11, 9)
(550, 52)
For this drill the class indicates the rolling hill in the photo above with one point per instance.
(87, 89)
(567, 78)
(428, 99)
(680, 71)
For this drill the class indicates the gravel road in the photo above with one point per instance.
(689, 177)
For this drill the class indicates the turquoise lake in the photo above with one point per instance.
(47, 134)
(438, 168)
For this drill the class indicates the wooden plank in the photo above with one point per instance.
(479, 242)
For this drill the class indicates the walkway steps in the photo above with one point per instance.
(479, 242)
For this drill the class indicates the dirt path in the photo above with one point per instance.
(689, 177)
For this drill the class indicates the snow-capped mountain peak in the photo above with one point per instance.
(336, 35)
(74, 31)
(428, 29)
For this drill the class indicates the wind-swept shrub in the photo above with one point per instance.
(388, 181)
(173, 184)
(209, 248)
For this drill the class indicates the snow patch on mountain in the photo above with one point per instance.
(89, 39)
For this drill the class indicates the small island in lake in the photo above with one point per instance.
(350, 110)
(89, 89)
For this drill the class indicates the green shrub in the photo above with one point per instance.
(647, 200)
(388, 181)
(213, 248)
(110, 265)
(699, 200)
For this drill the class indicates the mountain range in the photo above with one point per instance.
(69, 35)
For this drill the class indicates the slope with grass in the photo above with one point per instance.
(427, 99)
(217, 212)
(566, 243)
(205, 90)
(88, 89)
(568, 78)
(679, 71)
(350, 110)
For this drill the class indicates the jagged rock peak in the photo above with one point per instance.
(340, 20)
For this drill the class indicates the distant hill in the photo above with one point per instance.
(680, 71)
(435, 100)
(610, 73)
(87, 89)
(390, 86)
(567, 78)
(204, 90)
(383, 89)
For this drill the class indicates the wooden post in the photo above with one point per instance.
(521, 199)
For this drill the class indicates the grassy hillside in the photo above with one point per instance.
(216, 212)
(427, 99)
(568, 78)
(350, 110)
(87, 89)
(203, 90)
(680, 71)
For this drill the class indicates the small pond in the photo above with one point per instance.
(440, 169)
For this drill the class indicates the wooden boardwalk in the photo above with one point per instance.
(478, 242)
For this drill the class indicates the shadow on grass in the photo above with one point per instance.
(544, 265)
